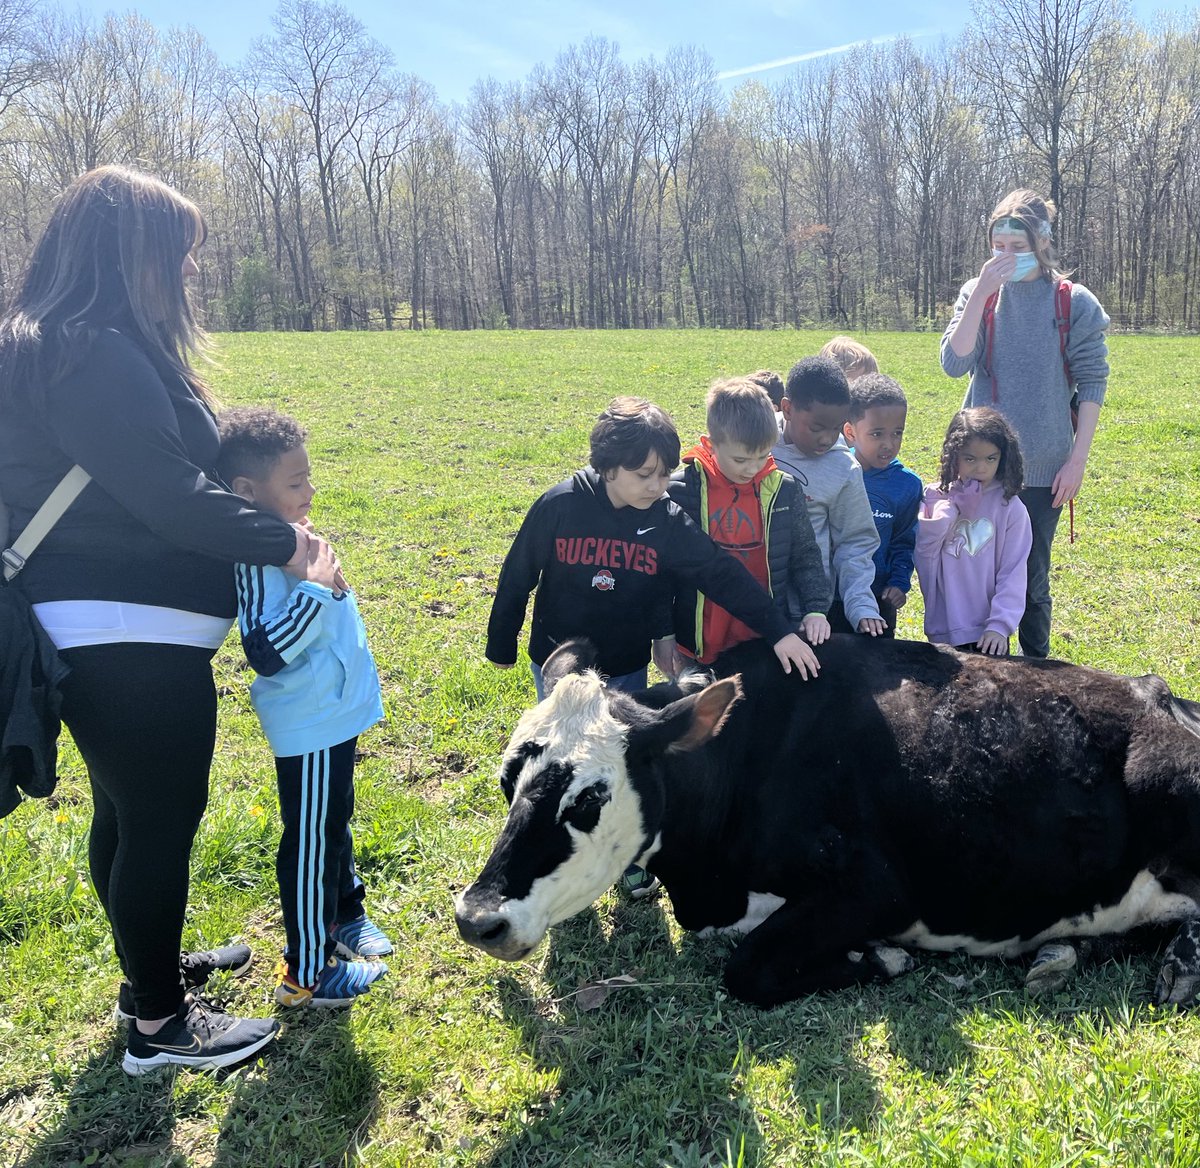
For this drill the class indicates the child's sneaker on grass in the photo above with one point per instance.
(638, 883)
(196, 968)
(360, 939)
(199, 1037)
(339, 984)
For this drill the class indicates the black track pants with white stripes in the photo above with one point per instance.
(318, 885)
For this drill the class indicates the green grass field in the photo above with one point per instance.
(429, 448)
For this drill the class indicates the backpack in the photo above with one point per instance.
(31, 670)
(1062, 319)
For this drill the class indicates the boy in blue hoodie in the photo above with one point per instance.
(316, 691)
(875, 430)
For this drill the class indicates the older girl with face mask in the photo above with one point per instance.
(1019, 370)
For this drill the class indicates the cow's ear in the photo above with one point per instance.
(690, 722)
(570, 657)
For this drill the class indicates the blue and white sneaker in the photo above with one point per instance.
(339, 984)
(360, 940)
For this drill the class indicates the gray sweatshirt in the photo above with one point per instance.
(1030, 388)
(842, 522)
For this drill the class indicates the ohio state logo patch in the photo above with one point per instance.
(604, 581)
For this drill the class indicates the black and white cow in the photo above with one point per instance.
(913, 794)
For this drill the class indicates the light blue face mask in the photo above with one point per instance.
(1026, 263)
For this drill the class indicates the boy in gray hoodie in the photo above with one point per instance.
(816, 405)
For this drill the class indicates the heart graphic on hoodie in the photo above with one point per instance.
(973, 535)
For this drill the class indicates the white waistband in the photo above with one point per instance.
(74, 623)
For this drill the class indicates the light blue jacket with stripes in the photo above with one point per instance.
(317, 685)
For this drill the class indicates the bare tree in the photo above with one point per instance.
(73, 107)
(822, 130)
(322, 59)
(270, 150)
(21, 61)
(1044, 63)
(378, 142)
(686, 121)
(494, 134)
(610, 193)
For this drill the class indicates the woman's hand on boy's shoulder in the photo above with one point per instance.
(340, 584)
(320, 566)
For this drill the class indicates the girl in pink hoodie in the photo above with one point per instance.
(974, 535)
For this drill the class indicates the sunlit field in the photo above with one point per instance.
(428, 448)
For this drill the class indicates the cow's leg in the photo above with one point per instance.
(1052, 967)
(1179, 978)
(802, 948)
(891, 959)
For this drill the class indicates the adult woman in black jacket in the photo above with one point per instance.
(134, 584)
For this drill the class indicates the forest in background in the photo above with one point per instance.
(605, 193)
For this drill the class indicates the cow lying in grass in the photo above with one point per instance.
(937, 800)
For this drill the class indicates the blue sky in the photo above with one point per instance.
(451, 43)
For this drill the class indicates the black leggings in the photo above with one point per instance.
(144, 718)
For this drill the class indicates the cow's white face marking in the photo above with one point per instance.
(573, 727)
(1146, 903)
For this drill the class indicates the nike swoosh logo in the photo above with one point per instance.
(643, 530)
(192, 1048)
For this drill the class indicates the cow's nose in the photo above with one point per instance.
(485, 930)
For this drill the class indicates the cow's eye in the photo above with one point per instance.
(584, 813)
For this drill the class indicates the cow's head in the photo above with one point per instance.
(583, 777)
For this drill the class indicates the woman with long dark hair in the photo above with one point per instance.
(135, 582)
(1033, 344)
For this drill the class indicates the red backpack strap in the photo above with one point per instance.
(989, 336)
(1062, 317)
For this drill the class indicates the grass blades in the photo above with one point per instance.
(427, 450)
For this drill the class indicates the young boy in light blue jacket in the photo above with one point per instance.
(316, 690)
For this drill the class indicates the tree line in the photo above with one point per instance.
(606, 193)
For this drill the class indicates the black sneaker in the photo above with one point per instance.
(200, 1037)
(197, 968)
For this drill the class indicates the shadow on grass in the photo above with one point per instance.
(660, 1072)
(669, 1071)
(110, 1115)
(306, 1100)
(310, 1102)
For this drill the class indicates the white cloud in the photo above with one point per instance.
(816, 54)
